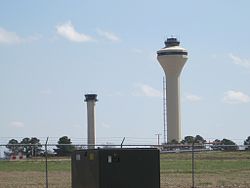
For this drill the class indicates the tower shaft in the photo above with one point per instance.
(91, 100)
(173, 108)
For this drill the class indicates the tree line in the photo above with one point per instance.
(224, 144)
(31, 147)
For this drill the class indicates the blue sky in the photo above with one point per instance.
(54, 52)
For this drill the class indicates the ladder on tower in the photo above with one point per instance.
(164, 110)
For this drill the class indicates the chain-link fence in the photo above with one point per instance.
(205, 166)
(182, 166)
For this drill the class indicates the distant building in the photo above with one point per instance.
(18, 156)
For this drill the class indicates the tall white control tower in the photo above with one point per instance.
(172, 59)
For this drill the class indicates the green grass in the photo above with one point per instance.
(212, 169)
(205, 162)
(213, 155)
(222, 165)
(35, 165)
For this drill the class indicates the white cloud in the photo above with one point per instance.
(239, 61)
(235, 97)
(193, 98)
(8, 37)
(67, 30)
(16, 124)
(146, 90)
(108, 35)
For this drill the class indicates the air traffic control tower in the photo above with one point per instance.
(172, 58)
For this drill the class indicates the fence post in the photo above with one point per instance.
(46, 163)
(193, 165)
(122, 141)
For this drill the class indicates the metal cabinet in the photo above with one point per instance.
(116, 168)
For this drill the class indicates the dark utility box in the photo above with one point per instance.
(116, 168)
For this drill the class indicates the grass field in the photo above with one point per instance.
(31, 173)
(212, 169)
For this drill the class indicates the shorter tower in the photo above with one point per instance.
(91, 100)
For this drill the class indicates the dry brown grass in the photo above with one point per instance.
(63, 180)
(34, 180)
(229, 180)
